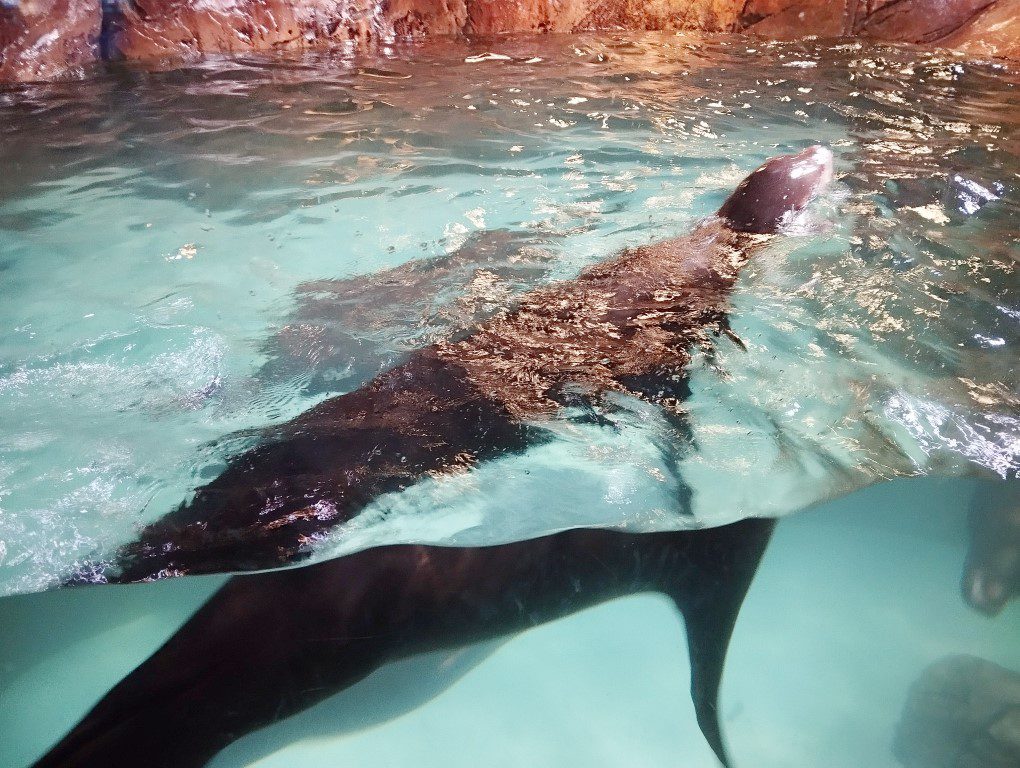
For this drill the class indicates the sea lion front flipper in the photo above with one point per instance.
(726, 330)
(724, 563)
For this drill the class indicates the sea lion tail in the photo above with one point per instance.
(724, 566)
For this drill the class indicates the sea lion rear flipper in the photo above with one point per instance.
(724, 564)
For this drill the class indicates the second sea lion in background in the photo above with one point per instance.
(991, 576)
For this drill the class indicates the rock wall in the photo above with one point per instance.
(42, 39)
(159, 28)
(985, 27)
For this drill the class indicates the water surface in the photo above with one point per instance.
(164, 233)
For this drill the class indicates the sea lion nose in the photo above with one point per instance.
(813, 160)
(984, 593)
(821, 153)
(814, 164)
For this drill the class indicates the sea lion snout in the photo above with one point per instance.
(781, 187)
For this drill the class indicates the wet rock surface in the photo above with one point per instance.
(161, 28)
(985, 27)
(46, 39)
(157, 28)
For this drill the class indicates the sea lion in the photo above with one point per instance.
(962, 711)
(625, 325)
(269, 645)
(991, 576)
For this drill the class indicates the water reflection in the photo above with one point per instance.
(342, 332)
(267, 646)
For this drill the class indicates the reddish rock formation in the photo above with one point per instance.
(986, 27)
(47, 39)
(791, 19)
(499, 16)
(915, 21)
(41, 39)
(158, 28)
(995, 32)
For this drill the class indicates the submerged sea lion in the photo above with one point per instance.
(625, 325)
(272, 644)
(991, 576)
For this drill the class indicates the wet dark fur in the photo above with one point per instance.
(342, 332)
(625, 325)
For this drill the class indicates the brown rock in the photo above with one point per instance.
(159, 28)
(987, 27)
(915, 21)
(704, 15)
(42, 39)
(995, 32)
(156, 28)
(792, 19)
(421, 17)
(48, 39)
(497, 16)
(163, 28)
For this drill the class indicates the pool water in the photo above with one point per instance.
(852, 601)
(189, 255)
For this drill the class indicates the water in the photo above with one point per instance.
(852, 601)
(162, 234)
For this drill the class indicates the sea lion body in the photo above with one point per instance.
(348, 330)
(991, 576)
(626, 325)
(271, 644)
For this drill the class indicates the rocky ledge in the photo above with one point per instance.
(43, 39)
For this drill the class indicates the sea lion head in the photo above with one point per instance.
(777, 190)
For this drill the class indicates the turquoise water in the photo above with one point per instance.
(158, 229)
(852, 601)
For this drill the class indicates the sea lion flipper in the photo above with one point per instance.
(727, 330)
(725, 566)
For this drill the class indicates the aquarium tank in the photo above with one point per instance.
(394, 382)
